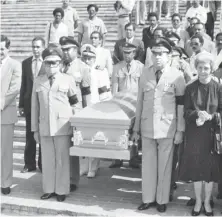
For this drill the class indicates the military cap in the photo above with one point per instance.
(128, 47)
(67, 42)
(178, 50)
(173, 35)
(161, 45)
(52, 54)
(88, 50)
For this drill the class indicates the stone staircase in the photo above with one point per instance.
(26, 19)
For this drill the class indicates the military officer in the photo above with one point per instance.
(75, 67)
(126, 76)
(53, 103)
(95, 88)
(11, 72)
(159, 120)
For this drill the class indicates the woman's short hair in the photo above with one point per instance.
(98, 33)
(205, 58)
(7, 41)
(93, 5)
(58, 10)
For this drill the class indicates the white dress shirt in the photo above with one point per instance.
(36, 66)
(130, 40)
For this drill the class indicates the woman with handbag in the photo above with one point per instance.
(200, 162)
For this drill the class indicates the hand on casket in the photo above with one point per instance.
(135, 136)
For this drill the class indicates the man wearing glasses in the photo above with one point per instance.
(159, 122)
(53, 103)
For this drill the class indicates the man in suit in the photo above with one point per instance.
(211, 8)
(30, 70)
(130, 38)
(11, 72)
(148, 32)
(159, 121)
(177, 28)
(53, 103)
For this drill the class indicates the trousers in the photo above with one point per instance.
(121, 27)
(7, 134)
(156, 169)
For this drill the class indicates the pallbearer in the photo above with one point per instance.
(159, 120)
(53, 103)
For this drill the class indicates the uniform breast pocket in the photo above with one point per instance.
(148, 92)
(168, 89)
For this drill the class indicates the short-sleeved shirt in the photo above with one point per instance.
(52, 34)
(86, 27)
(70, 17)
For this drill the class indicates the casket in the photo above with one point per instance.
(103, 129)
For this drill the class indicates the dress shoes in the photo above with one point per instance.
(26, 169)
(6, 190)
(195, 213)
(144, 206)
(208, 213)
(116, 164)
(73, 187)
(161, 207)
(61, 198)
(47, 196)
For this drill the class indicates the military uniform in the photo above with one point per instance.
(51, 111)
(11, 72)
(95, 87)
(159, 116)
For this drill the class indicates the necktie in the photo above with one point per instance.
(128, 67)
(51, 80)
(158, 75)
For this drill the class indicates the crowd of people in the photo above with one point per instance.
(176, 71)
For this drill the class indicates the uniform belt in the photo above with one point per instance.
(123, 15)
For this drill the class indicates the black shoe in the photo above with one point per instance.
(144, 206)
(73, 187)
(174, 186)
(116, 164)
(194, 213)
(191, 202)
(47, 196)
(208, 213)
(61, 198)
(26, 169)
(161, 207)
(6, 190)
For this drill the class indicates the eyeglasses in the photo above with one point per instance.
(52, 64)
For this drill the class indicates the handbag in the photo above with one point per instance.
(218, 134)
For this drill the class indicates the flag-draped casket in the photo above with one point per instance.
(103, 129)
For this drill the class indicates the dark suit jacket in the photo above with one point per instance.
(118, 52)
(26, 86)
(147, 37)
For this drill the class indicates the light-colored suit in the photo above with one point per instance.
(158, 118)
(11, 72)
(51, 112)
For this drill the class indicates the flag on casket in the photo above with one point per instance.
(103, 129)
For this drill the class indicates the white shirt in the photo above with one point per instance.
(130, 40)
(52, 34)
(199, 12)
(177, 31)
(36, 66)
(3, 62)
(70, 17)
(86, 27)
(104, 59)
(127, 7)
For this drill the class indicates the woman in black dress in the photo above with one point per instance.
(203, 98)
